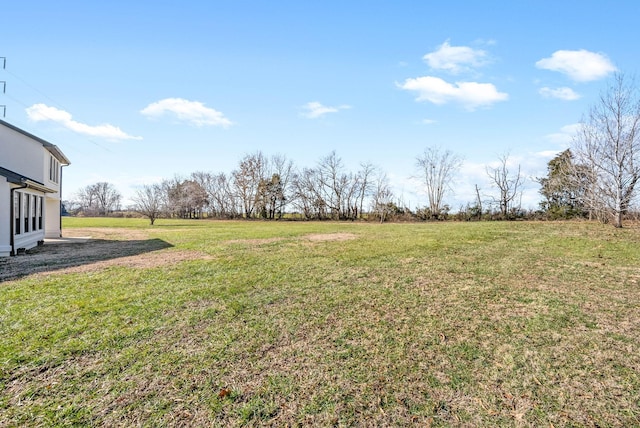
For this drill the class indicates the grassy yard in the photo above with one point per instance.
(329, 324)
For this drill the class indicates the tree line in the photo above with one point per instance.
(268, 188)
(595, 178)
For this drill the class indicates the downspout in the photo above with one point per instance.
(12, 240)
(60, 191)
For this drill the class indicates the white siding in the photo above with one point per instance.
(52, 217)
(5, 218)
(22, 155)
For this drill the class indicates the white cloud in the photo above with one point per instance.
(581, 65)
(563, 93)
(315, 110)
(192, 112)
(428, 121)
(42, 112)
(470, 94)
(565, 135)
(456, 59)
(546, 154)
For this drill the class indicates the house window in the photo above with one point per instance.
(40, 202)
(28, 212)
(54, 169)
(17, 202)
(25, 212)
(34, 225)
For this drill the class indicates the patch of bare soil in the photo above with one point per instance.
(326, 237)
(142, 261)
(106, 233)
(106, 247)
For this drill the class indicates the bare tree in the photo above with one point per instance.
(71, 207)
(85, 201)
(108, 197)
(148, 201)
(246, 180)
(437, 169)
(223, 203)
(307, 195)
(190, 199)
(269, 198)
(168, 201)
(333, 182)
(608, 144)
(285, 170)
(382, 198)
(99, 199)
(509, 185)
(478, 205)
(203, 180)
(365, 184)
(184, 198)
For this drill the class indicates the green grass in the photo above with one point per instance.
(339, 324)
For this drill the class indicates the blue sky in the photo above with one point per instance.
(137, 91)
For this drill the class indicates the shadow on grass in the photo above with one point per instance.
(52, 257)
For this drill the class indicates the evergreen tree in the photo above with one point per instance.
(564, 187)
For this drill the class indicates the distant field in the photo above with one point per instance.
(211, 323)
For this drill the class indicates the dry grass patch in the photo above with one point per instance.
(254, 242)
(159, 258)
(110, 233)
(328, 237)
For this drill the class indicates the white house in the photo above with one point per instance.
(30, 185)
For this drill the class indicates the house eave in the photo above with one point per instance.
(55, 151)
(34, 185)
(22, 181)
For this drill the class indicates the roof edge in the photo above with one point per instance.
(15, 178)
